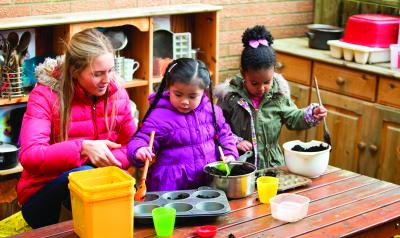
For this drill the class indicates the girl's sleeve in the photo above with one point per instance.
(37, 156)
(225, 134)
(293, 117)
(126, 131)
(141, 139)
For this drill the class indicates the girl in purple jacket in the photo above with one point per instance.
(188, 127)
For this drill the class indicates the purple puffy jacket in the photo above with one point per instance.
(183, 144)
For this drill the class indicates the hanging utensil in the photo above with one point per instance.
(223, 167)
(327, 135)
(141, 190)
(23, 46)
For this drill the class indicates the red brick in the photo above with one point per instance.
(5, 1)
(218, 2)
(230, 36)
(121, 4)
(229, 63)
(267, 8)
(289, 31)
(15, 11)
(272, 20)
(88, 6)
(173, 2)
(152, 3)
(235, 49)
(50, 8)
(223, 50)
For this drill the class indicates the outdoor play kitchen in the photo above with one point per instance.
(340, 178)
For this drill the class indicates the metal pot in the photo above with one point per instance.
(234, 186)
(8, 155)
(319, 34)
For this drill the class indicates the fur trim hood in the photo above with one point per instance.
(230, 85)
(49, 72)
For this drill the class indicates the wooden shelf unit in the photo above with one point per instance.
(201, 20)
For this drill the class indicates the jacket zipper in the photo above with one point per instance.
(94, 121)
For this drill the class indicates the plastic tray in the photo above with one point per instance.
(360, 54)
(206, 202)
(286, 180)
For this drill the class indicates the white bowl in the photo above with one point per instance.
(308, 164)
(289, 207)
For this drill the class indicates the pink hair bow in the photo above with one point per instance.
(255, 43)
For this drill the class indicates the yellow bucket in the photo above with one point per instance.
(102, 202)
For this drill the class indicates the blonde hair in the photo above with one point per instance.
(81, 50)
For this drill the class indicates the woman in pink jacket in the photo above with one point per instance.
(77, 118)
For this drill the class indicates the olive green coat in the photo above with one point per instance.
(276, 109)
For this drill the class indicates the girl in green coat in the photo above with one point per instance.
(257, 103)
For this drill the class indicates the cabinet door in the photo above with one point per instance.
(293, 68)
(300, 96)
(348, 122)
(385, 146)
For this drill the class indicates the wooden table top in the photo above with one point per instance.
(343, 204)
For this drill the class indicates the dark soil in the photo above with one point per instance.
(270, 173)
(203, 196)
(180, 196)
(235, 170)
(300, 148)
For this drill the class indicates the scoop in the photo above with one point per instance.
(141, 191)
(223, 166)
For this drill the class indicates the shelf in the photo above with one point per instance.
(136, 83)
(93, 16)
(14, 170)
(6, 101)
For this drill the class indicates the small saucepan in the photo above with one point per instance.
(319, 34)
(240, 183)
(8, 155)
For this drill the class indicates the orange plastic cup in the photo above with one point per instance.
(267, 187)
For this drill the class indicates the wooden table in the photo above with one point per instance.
(343, 204)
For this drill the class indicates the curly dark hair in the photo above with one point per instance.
(262, 57)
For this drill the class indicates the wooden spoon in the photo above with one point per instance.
(141, 191)
(327, 135)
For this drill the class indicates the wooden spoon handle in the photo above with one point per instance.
(146, 163)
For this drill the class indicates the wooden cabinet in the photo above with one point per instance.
(294, 69)
(363, 118)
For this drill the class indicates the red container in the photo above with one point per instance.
(372, 30)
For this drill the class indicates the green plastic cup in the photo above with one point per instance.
(164, 220)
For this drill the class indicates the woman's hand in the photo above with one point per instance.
(229, 159)
(143, 153)
(99, 153)
(320, 112)
(244, 145)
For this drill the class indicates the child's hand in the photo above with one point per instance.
(320, 112)
(244, 145)
(229, 159)
(143, 153)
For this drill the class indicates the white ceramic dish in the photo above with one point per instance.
(289, 207)
(360, 54)
(308, 164)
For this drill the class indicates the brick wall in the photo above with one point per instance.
(285, 18)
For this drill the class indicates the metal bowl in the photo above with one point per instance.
(234, 186)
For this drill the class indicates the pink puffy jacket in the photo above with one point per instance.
(44, 160)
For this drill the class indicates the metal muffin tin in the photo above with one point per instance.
(188, 203)
(286, 180)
